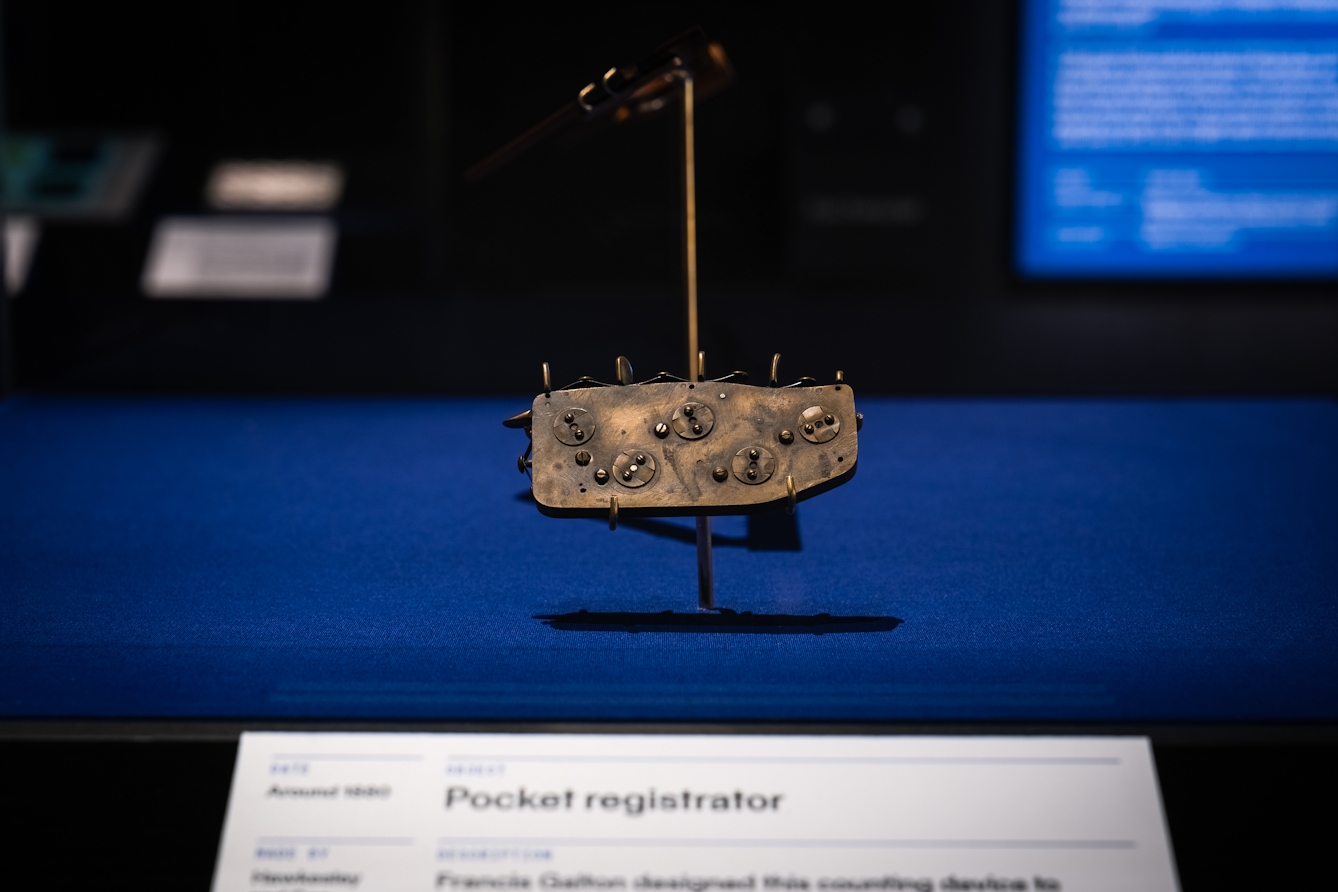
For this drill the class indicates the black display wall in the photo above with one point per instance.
(854, 184)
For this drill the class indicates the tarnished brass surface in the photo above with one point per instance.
(682, 480)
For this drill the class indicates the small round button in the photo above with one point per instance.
(754, 465)
(574, 427)
(692, 421)
(633, 468)
(819, 424)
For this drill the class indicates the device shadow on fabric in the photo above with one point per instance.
(723, 620)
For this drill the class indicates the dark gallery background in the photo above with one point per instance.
(856, 188)
(572, 253)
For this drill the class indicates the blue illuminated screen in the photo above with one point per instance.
(1187, 138)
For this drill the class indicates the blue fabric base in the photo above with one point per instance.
(1049, 560)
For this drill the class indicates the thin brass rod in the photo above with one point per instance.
(705, 570)
(705, 557)
(690, 218)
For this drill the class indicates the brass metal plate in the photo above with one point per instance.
(682, 484)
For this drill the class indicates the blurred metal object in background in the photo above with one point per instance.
(625, 93)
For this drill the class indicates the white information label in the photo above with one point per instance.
(677, 813)
(275, 185)
(248, 257)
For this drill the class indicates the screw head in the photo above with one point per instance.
(640, 459)
(601, 476)
(689, 411)
(661, 430)
(787, 437)
(579, 434)
(627, 475)
(696, 428)
(752, 473)
(582, 458)
(808, 428)
(720, 474)
(753, 455)
(569, 418)
(829, 419)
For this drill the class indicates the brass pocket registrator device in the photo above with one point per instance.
(672, 447)
(669, 447)
(676, 446)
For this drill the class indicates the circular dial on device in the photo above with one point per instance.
(574, 427)
(634, 467)
(692, 421)
(818, 424)
(753, 465)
